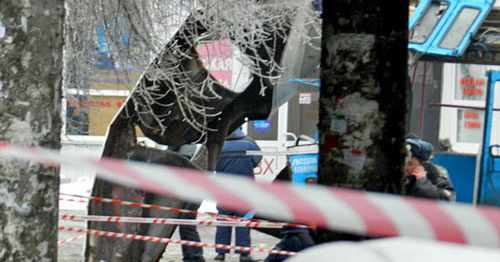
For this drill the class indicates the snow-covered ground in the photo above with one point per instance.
(73, 250)
(81, 187)
(383, 250)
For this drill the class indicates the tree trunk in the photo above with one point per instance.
(363, 94)
(31, 41)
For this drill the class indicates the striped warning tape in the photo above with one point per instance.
(144, 205)
(173, 241)
(175, 221)
(128, 203)
(337, 209)
(70, 239)
(73, 200)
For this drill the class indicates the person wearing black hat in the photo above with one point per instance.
(424, 179)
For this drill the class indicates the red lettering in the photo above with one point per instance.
(259, 168)
(471, 82)
(91, 103)
(471, 115)
(472, 91)
(262, 171)
(105, 104)
(269, 166)
(472, 125)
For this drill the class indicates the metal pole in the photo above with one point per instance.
(462, 106)
(493, 77)
(422, 104)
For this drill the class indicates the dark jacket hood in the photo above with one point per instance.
(236, 134)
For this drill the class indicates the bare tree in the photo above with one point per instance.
(137, 32)
(31, 40)
(177, 100)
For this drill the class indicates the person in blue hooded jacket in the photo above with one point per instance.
(234, 161)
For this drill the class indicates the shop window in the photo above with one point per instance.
(471, 82)
(464, 92)
(470, 126)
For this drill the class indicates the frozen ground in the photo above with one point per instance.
(73, 251)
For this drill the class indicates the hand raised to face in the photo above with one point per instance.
(419, 172)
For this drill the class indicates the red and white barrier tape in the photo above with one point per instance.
(174, 221)
(143, 205)
(337, 209)
(73, 200)
(70, 239)
(173, 241)
(128, 203)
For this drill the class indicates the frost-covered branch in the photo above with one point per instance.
(128, 32)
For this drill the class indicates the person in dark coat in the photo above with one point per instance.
(190, 232)
(425, 179)
(294, 240)
(234, 161)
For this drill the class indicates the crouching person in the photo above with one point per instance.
(295, 239)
